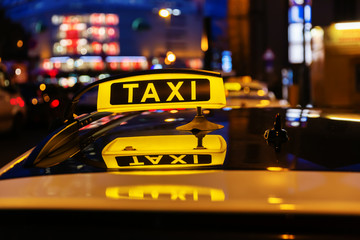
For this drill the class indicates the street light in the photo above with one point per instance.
(170, 58)
(164, 13)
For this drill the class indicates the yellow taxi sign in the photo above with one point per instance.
(161, 90)
(165, 151)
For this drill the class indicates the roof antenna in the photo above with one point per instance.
(276, 136)
(199, 127)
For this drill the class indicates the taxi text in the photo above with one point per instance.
(160, 91)
(170, 159)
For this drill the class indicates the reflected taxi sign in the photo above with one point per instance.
(162, 89)
(164, 151)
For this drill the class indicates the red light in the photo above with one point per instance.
(113, 65)
(13, 101)
(20, 101)
(17, 101)
(111, 32)
(96, 47)
(111, 19)
(96, 18)
(99, 66)
(47, 64)
(113, 48)
(125, 65)
(55, 103)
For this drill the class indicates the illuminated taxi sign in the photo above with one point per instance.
(159, 90)
(174, 151)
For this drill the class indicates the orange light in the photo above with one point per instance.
(34, 101)
(261, 93)
(287, 207)
(287, 236)
(113, 65)
(204, 43)
(19, 43)
(164, 13)
(42, 87)
(275, 169)
(170, 58)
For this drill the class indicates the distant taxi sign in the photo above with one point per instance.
(165, 151)
(162, 89)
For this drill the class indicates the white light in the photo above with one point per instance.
(55, 19)
(82, 41)
(70, 62)
(102, 31)
(176, 12)
(18, 71)
(84, 78)
(317, 32)
(295, 33)
(296, 53)
(80, 26)
(347, 25)
(295, 124)
(164, 13)
(83, 51)
(64, 27)
(170, 56)
(104, 75)
(79, 63)
(299, 2)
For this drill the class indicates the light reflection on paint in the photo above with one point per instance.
(163, 173)
(287, 207)
(345, 117)
(276, 169)
(261, 93)
(287, 236)
(275, 200)
(165, 192)
(263, 103)
(347, 26)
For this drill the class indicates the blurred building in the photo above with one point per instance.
(335, 69)
(82, 40)
(258, 39)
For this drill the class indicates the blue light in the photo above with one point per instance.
(226, 61)
(156, 66)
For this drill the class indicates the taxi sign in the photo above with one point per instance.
(165, 151)
(160, 90)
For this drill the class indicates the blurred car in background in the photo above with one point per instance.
(12, 105)
(45, 103)
(246, 92)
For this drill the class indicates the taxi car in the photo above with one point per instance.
(163, 157)
(247, 92)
